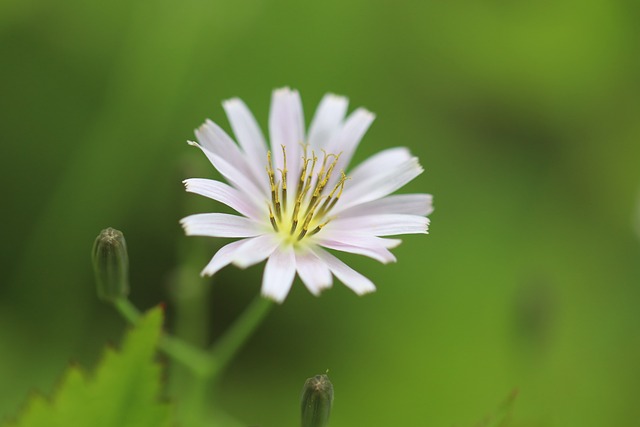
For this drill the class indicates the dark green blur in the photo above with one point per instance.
(524, 115)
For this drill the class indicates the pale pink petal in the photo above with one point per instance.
(234, 176)
(358, 238)
(372, 181)
(351, 278)
(378, 253)
(327, 121)
(255, 251)
(223, 257)
(220, 225)
(382, 160)
(314, 273)
(214, 139)
(410, 204)
(286, 128)
(248, 133)
(380, 225)
(359, 243)
(226, 194)
(347, 139)
(278, 274)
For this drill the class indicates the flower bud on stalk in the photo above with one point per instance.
(111, 265)
(317, 398)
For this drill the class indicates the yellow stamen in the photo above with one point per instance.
(272, 218)
(323, 179)
(283, 171)
(319, 227)
(275, 194)
(312, 203)
(307, 221)
(330, 202)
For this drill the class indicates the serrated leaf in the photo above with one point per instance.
(124, 390)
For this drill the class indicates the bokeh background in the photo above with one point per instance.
(524, 115)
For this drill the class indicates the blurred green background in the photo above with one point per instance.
(524, 115)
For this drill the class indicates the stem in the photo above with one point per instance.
(228, 345)
(205, 366)
(127, 310)
(198, 361)
(195, 359)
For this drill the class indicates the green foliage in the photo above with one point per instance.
(501, 417)
(523, 113)
(123, 391)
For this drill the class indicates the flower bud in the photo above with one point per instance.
(317, 398)
(111, 265)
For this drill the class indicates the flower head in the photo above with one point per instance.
(297, 196)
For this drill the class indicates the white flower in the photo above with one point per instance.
(294, 198)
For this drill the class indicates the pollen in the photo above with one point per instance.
(305, 211)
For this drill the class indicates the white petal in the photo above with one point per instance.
(237, 178)
(376, 178)
(314, 273)
(255, 251)
(214, 139)
(360, 239)
(378, 253)
(223, 257)
(220, 225)
(410, 204)
(351, 278)
(286, 128)
(361, 244)
(224, 193)
(278, 274)
(381, 160)
(327, 120)
(248, 133)
(380, 225)
(385, 242)
(347, 140)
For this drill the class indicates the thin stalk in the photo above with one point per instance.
(228, 345)
(198, 361)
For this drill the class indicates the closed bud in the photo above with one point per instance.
(317, 398)
(111, 265)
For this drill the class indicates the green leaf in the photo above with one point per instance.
(124, 390)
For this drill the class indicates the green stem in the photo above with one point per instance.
(198, 361)
(228, 345)
(127, 310)
(193, 358)
(203, 364)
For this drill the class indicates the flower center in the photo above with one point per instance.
(305, 212)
